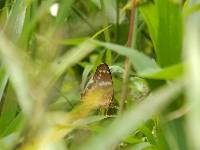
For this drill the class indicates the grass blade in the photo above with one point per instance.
(134, 117)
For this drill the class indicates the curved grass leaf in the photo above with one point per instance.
(17, 74)
(168, 73)
(133, 118)
(140, 61)
(193, 80)
(3, 82)
(72, 57)
(15, 21)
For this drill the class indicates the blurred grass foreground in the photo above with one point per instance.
(49, 50)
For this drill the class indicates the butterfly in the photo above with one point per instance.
(100, 87)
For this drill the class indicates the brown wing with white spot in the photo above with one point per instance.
(102, 79)
(103, 74)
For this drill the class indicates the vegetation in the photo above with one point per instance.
(47, 58)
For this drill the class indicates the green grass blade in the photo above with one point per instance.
(192, 54)
(63, 12)
(169, 34)
(72, 57)
(168, 73)
(140, 61)
(3, 81)
(15, 21)
(17, 74)
(132, 118)
(150, 15)
(9, 109)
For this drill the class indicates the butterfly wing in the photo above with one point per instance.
(102, 84)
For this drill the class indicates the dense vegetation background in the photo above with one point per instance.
(47, 58)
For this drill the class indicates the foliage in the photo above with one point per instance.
(47, 58)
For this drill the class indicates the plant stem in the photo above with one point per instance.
(127, 63)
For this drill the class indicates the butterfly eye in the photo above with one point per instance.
(102, 79)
